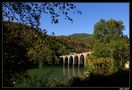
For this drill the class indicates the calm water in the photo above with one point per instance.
(49, 76)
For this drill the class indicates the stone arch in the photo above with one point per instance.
(70, 60)
(87, 54)
(76, 60)
(66, 60)
(82, 59)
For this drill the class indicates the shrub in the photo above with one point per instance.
(101, 66)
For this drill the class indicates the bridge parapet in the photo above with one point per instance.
(78, 54)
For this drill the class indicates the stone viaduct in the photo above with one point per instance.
(72, 59)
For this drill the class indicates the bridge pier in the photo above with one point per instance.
(85, 60)
(68, 60)
(78, 60)
(73, 60)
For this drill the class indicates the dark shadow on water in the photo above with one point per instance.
(120, 79)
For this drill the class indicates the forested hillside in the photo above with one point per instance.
(83, 38)
(24, 47)
(80, 35)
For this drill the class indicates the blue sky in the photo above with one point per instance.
(91, 14)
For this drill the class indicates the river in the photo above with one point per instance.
(49, 76)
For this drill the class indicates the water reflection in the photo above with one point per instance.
(79, 71)
(68, 72)
(72, 71)
(59, 74)
(63, 69)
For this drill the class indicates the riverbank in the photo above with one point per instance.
(120, 79)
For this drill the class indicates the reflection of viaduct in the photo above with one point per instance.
(75, 59)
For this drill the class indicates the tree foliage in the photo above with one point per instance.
(110, 41)
(30, 13)
(104, 31)
(101, 66)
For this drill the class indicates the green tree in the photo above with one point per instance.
(104, 31)
(110, 41)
